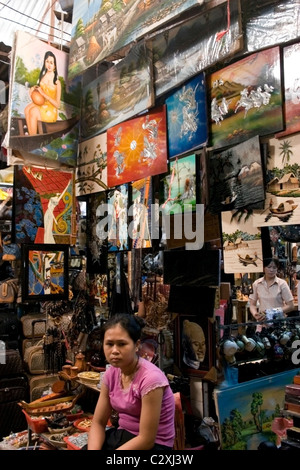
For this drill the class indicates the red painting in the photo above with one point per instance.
(137, 148)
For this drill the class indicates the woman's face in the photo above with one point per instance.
(271, 270)
(49, 64)
(119, 349)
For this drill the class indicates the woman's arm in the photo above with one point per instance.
(55, 102)
(149, 421)
(101, 415)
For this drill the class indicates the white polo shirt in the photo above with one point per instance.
(274, 296)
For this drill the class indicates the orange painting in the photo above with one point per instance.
(137, 148)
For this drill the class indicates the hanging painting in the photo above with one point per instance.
(246, 99)
(101, 28)
(91, 168)
(246, 411)
(44, 117)
(140, 224)
(123, 91)
(236, 177)
(45, 273)
(117, 227)
(181, 52)
(44, 206)
(186, 117)
(96, 234)
(291, 56)
(282, 201)
(268, 23)
(137, 148)
(242, 245)
(179, 186)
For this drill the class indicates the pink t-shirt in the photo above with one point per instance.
(128, 402)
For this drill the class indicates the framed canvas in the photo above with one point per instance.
(179, 186)
(246, 99)
(137, 148)
(117, 230)
(253, 405)
(44, 205)
(187, 117)
(194, 344)
(291, 55)
(91, 168)
(54, 134)
(140, 224)
(45, 272)
(109, 27)
(96, 236)
(236, 177)
(123, 91)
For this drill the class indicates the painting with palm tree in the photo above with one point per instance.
(246, 411)
(282, 203)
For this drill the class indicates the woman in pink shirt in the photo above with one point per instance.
(134, 387)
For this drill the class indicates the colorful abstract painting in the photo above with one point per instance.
(245, 99)
(100, 28)
(44, 206)
(242, 245)
(124, 90)
(181, 52)
(137, 148)
(236, 177)
(187, 117)
(141, 213)
(55, 134)
(291, 55)
(91, 168)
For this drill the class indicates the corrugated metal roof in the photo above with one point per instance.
(36, 17)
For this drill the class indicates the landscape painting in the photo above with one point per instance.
(242, 245)
(236, 177)
(124, 90)
(101, 27)
(246, 99)
(246, 411)
(282, 202)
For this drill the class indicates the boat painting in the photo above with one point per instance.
(246, 260)
(283, 211)
(48, 131)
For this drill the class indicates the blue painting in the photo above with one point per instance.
(246, 411)
(187, 117)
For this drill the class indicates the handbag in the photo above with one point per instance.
(9, 291)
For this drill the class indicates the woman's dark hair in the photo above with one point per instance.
(44, 70)
(268, 261)
(131, 323)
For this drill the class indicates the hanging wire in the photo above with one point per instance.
(53, 36)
